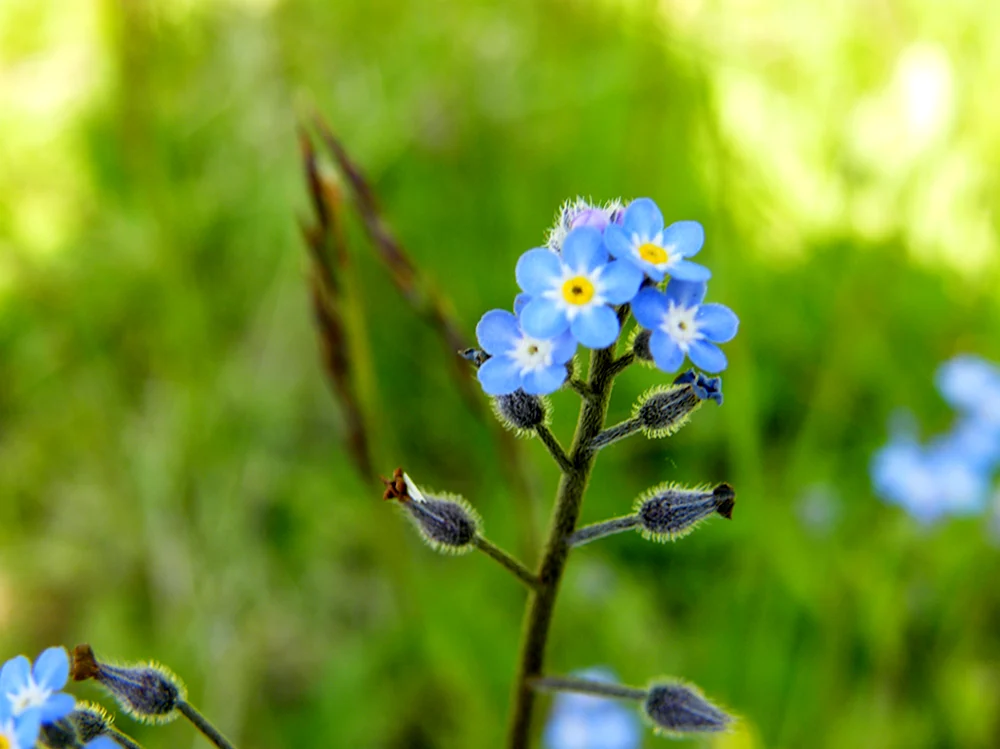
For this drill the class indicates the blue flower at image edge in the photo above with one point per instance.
(19, 732)
(24, 689)
(971, 384)
(575, 290)
(581, 721)
(642, 240)
(682, 326)
(520, 361)
(103, 742)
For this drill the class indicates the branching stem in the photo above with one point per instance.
(493, 551)
(615, 433)
(201, 723)
(589, 533)
(581, 387)
(123, 740)
(555, 449)
(587, 686)
(622, 363)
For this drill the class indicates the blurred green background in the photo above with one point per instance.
(173, 482)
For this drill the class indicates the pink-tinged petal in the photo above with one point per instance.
(583, 250)
(538, 271)
(667, 354)
(717, 322)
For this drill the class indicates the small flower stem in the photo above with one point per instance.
(615, 433)
(622, 363)
(122, 739)
(589, 533)
(569, 499)
(201, 723)
(555, 449)
(495, 552)
(581, 387)
(586, 686)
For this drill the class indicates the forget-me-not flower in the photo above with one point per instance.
(580, 721)
(575, 290)
(518, 360)
(682, 326)
(643, 241)
(971, 385)
(21, 731)
(25, 688)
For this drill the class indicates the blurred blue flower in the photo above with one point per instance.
(580, 721)
(519, 361)
(575, 290)
(682, 326)
(102, 742)
(642, 240)
(18, 731)
(972, 385)
(25, 689)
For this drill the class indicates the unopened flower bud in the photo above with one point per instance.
(663, 410)
(676, 708)
(146, 691)
(668, 511)
(520, 411)
(707, 388)
(581, 212)
(59, 734)
(446, 521)
(640, 345)
(90, 720)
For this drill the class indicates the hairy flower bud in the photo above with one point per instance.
(446, 521)
(520, 411)
(663, 410)
(147, 691)
(668, 511)
(581, 212)
(677, 708)
(640, 345)
(90, 720)
(59, 734)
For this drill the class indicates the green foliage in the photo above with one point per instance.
(172, 478)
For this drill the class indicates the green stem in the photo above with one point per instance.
(555, 449)
(587, 686)
(593, 532)
(201, 723)
(580, 387)
(615, 433)
(538, 616)
(495, 552)
(122, 739)
(622, 363)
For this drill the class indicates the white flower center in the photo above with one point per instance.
(680, 325)
(531, 354)
(572, 303)
(30, 695)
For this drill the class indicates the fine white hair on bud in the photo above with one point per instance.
(521, 412)
(668, 511)
(148, 692)
(445, 521)
(680, 709)
(663, 410)
(582, 212)
(90, 720)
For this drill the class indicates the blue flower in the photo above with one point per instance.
(580, 721)
(102, 742)
(682, 326)
(707, 388)
(581, 212)
(971, 385)
(642, 241)
(574, 290)
(21, 731)
(25, 689)
(520, 361)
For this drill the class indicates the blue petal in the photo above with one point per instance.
(52, 669)
(102, 742)
(542, 318)
(544, 381)
(685, 270)
(642, 217)
(497, 331)
(519, 301)
(538, 270)
(686, 293)
(667, 354)
(707, 356)
(617, 241)
(499, 376)
(15, 675)
(650, 307)
(620, 281)
(27, 727)
(583, 250)
(717, 322)
(57, 706)
(563, 348)
(596, 327)
(684, 238)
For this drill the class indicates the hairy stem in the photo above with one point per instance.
(201, 723)
(587, 686)
(495, 552)
(599, 530)
(555, 449)
(122, 739)
(622, 363)
(615, 433)
(580, 387)
(569, 497)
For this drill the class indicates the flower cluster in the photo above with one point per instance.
(951, 474)
(575, 290)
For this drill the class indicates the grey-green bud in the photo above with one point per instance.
(680, 709)
(520, 411)
(669, 511)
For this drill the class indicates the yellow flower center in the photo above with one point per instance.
(4, 744)
(578, 290)
(653, 253)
